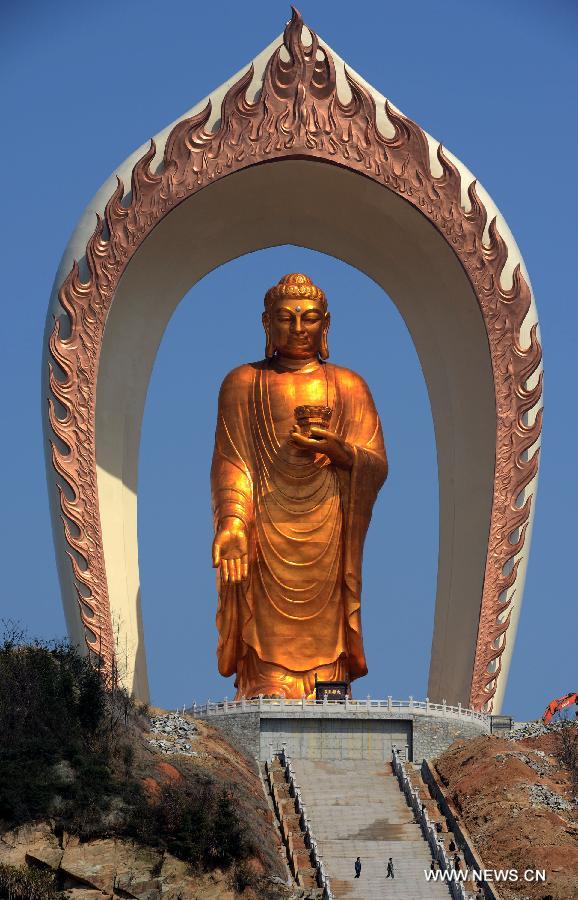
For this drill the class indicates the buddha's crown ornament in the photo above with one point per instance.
(295, 286)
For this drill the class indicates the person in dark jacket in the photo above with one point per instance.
(357, 867)
(390, 873)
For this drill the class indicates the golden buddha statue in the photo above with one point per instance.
(298, 462)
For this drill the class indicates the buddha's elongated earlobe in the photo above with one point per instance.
(324, 348)
(269, 348)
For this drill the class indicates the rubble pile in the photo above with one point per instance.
(537, 760)
(177, 734)
(541, 796)
(533, 729)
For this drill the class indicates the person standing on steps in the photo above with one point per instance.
(357, 867)
(390, 873)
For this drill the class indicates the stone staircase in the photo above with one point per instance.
(356, 808)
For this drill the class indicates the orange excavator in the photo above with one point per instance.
(558, 705)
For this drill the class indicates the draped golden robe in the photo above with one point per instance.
(298, 613)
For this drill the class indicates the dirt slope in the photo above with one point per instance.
(516, 800)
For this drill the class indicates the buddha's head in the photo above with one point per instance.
(296, 320)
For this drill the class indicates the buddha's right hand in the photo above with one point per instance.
(230, 550)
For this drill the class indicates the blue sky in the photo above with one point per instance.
(84, 85)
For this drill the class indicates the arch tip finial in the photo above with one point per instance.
(296, 19)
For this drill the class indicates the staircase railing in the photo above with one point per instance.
(471, 856)
(316, 860)
(437, 848)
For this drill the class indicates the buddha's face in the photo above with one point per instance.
(296, 327)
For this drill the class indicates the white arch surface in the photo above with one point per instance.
(379, 233)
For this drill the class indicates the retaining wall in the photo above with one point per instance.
(336, 732)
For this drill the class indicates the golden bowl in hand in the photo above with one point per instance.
(312, 416)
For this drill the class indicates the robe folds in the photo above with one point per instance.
(306, 519)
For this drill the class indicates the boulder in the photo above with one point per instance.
(36, 841)
(107, 864)
(87, 894)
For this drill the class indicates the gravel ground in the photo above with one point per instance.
(541, 796)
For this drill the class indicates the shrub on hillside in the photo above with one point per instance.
(62, 736)
(72, 750)
(567, 749)
(193, 822)
(21, 883)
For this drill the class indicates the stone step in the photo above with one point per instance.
(379, 848)
(357, 817)
(370, 779)
(359, 790)
(347, 814)
(366, 832)
(364, 888)
(337, 795)
(362, 795)
(393, 810)
(331, 766)
(385, 784)
(391, 789)
(377, 797)
(350, 799)
(341, 774)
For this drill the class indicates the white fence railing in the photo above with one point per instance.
(316, 860)
(438, 850)
(411, 706)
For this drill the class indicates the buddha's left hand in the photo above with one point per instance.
(327, 442)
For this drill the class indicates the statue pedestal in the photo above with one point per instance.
(346, 729)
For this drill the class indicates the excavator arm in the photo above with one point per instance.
(558, 705)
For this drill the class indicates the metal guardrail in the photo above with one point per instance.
(269, 704)
(321, 875)
(437, 849)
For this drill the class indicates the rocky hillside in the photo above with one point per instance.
(177, 751)
(517, 798)
(100, 794)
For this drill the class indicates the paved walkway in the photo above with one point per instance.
(357, 809)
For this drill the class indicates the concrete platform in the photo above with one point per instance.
(354, 730)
